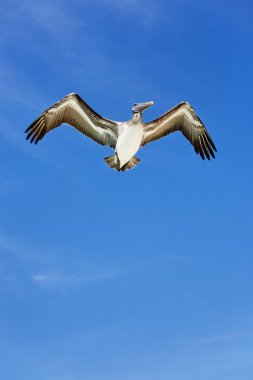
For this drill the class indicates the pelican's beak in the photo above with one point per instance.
(140, 107)
(146, 105)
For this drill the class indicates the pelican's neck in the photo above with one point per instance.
(137, 117)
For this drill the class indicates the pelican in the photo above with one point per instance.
(125, 137)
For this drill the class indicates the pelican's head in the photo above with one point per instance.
(141, 107)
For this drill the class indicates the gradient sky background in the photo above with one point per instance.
(143, 275)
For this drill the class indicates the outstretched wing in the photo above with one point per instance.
(74, 111)
(182, 118)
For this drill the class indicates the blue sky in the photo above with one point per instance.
(126, 276)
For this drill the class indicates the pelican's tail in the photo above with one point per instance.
(114, 164)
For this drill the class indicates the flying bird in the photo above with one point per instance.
(125, 137)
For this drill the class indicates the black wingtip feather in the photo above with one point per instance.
(201, 149)
(208, 145)
(196, 149)
(205, 149)
(29, 135)
(35, 130)
(211, 141)
(28, 129)
(33, 124)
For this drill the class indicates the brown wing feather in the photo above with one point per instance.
(182, 118)
(74, 111)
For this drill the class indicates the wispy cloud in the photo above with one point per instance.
(56, 18)
(55, 25)
(49, 267)
(50, 280)
(68, 35)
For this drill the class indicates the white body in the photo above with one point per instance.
(129, 140)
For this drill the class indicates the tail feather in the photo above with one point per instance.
(113, 162)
